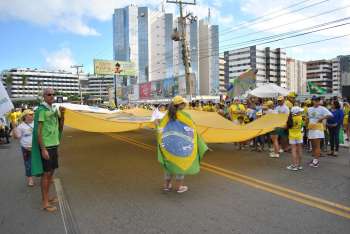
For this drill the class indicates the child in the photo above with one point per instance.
(295, 125)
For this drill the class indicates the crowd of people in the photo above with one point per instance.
(315, 125)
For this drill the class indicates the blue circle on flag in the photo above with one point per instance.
(177, 139)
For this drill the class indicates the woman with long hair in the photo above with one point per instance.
(180, 148)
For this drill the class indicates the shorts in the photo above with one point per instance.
(315, 134)
(281, 132)
(169, 176)
(51, 164)
(295, 141)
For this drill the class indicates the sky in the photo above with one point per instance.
(55, 34)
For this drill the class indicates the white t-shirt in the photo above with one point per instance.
(316, 113)
(157, 115)
(282, 109)
(24, 131)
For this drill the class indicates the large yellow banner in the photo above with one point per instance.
(211, 126)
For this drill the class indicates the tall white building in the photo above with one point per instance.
(270, 63)
(341, 75)
(27, 82)
(296, 76)
(208, 58)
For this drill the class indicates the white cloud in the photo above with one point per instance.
(61, 59)
(68, 15)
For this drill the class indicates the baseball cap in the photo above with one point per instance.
(280, 98)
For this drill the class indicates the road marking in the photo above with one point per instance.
(69, 223)
(303, 198)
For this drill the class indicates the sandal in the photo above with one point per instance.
(182, 189)
(168, 189)
(49, 208)
(53, 200)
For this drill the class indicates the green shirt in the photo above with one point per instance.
(50, 126)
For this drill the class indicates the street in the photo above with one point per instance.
(112, 184)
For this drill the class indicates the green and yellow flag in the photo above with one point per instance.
(315, 89)
(180, 149)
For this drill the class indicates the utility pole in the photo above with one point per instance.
(80, 91)
(183, 39)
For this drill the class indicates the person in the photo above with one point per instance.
(236, 109)
(334, 125)
(48, 127)
(290, 102)
(315, 116)
(158, 114)
(295, 135)
(4, 130)
(346, 110)
(281, 108)
(180, 148)
(24, 132)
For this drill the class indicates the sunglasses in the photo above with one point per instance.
(50, 94)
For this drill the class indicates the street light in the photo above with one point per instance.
(80, 91)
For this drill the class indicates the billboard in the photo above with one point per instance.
(108, 67)
(145, 90)
(168, 88)
(134, 94)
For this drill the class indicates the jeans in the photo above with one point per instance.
(334, 137)
(27, 161)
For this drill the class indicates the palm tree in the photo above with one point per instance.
(24, 83)
(8, 82)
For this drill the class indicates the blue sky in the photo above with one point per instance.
(58, 33)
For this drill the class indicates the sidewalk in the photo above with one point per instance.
(20, 206)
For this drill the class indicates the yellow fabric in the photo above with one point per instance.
(316, 126)
(295, 132)
(236, 107)
(211, 126)
(346, 115)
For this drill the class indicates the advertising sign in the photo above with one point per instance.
(134, 94)
(111, 67)
(156, 89)
(145, 90)
(168, 88)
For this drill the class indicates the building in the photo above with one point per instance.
(208, 58)
(341, 75)
(270, 63)
(157, 56)
(296, 76)
(27, 82)
(99, 87)
(126, 35)
(161, 47)
(320, 73)
(222, 85)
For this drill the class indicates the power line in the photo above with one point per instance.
(314, 42)
(293, 22)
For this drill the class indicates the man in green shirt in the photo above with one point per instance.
(49, 125)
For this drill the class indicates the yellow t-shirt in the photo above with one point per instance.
(295, 132)
(234, 108)
(346, 116)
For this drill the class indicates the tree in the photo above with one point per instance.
(24, 83)
(8, 82)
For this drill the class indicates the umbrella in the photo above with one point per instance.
(269, 90)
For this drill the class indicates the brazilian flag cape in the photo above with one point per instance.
(37, 166)
(180, 148)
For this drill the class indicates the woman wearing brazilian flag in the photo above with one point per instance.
(180, 148)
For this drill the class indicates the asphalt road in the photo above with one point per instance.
(112, 185)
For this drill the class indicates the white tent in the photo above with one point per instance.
(269, 90)
(5, 102)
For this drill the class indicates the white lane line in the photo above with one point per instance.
(69, 224)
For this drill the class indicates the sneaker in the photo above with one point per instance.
(314, 164)
(271, 149)
(300, 168)
(292, 168)
(281, 151)
(335, 153)
(273, 155)
(182, 189)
